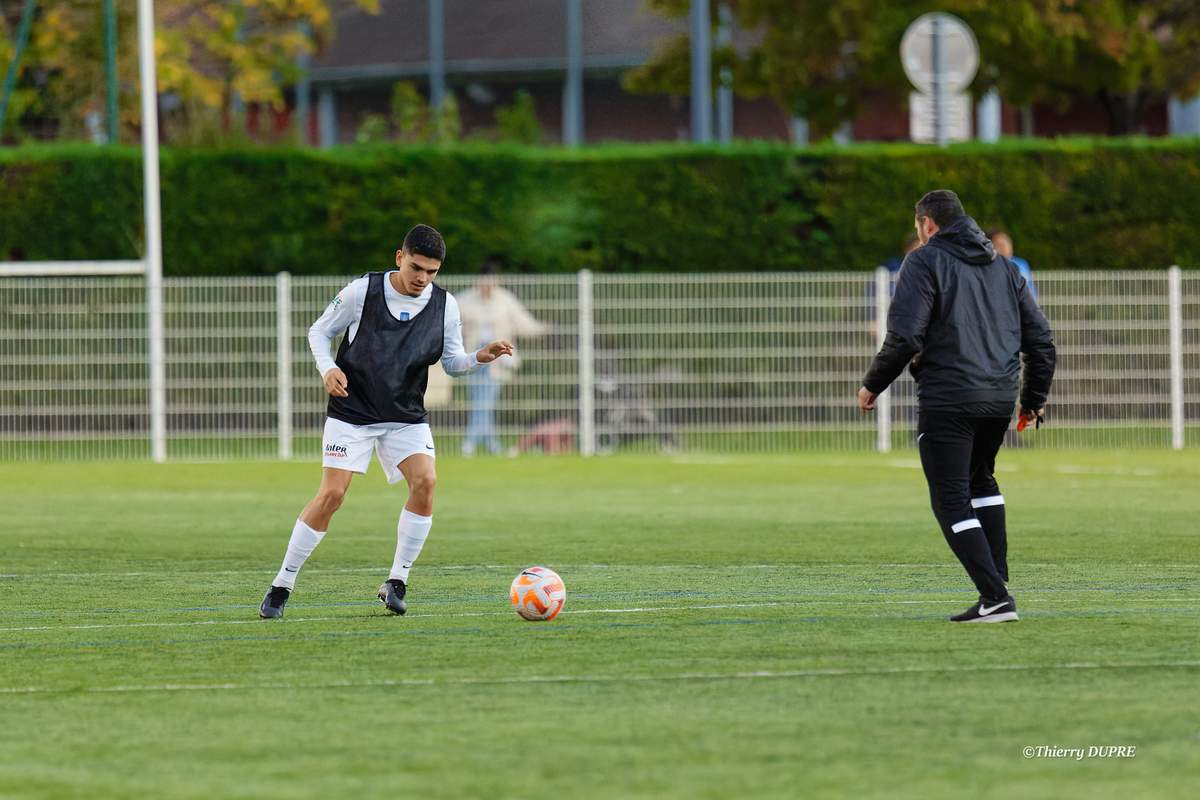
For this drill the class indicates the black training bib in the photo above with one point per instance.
(387, 364)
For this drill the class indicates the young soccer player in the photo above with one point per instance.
(398, 323)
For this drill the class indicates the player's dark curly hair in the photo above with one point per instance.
(423, 240)
(942, 206)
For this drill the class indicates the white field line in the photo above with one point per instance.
(172, 574)
(551, 679)
(915, 463)
(1075, 469)
(1062, 469)
(633, 610)
(344, 617)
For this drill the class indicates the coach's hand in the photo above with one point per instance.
(866, 399)
(1026, 417)
(335, 383)
(493, 351)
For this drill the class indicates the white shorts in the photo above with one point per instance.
(349, 447)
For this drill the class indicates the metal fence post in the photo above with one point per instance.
(883, 404)
(587, 377)
(283, 359)
(1175, 316)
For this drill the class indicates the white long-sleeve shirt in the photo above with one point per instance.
(344, 313)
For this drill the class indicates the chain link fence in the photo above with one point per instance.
(654, 363)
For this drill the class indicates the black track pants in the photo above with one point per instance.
(958, 454)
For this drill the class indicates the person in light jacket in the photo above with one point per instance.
(487, 308)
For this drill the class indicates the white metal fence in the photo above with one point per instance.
(764, 362)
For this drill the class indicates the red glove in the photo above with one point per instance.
(1028, 417)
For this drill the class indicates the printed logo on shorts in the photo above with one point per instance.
(335, 451)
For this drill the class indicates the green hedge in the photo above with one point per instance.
(1108, 204)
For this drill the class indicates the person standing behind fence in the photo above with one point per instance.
(491, 312)
(963, 317)
(1004, 246)
(892, 265)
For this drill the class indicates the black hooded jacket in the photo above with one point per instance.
(963, 317)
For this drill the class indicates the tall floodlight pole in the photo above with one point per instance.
(573, 88)
(110, 65)
(10, 76)
(725, 87)
(236, 104)
(153, 257)
(437, 54)
(701, 73)
(303, 90)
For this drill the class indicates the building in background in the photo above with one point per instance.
(492, 48)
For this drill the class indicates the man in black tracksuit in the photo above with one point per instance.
(963, 317)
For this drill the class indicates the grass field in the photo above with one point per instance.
(735, 627)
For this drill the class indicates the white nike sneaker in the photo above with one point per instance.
(990, 611)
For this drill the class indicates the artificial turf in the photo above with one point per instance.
(749, 626)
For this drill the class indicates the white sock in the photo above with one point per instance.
(411, 533)
(304, 540)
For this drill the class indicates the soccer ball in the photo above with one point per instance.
(538, 594)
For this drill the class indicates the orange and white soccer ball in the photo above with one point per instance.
(538, 594)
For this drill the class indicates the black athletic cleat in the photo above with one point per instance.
(990, 611)
(273, 603)
(391, 594)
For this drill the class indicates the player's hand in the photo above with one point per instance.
(866, 399)
(335, 383)
(1026, 417)
(487, 355)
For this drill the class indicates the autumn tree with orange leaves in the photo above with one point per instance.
(821, 58)
(207, 53)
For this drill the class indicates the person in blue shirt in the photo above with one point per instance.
(1004, 246)
(892, 265)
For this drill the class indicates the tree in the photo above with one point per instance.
(820, 59)
(519, 122)
(61, 76)
(410, 112)
(448, 117)
(207, 53)
(816, 59)
(1128, 54)
(372, 128)
(415, 121)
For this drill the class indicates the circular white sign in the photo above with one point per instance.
(959, 52)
